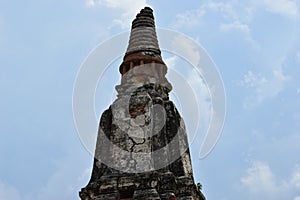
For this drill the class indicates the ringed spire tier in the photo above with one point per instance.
(143, 44)
(143, 35)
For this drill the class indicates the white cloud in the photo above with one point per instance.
(123, 4)
(203, 96)
(259, 178)
(253, 80)
(297, 198)
(236, 25)
(224, 16)
(171, 61)
(192, 17)
(58, 186)
(189, 18)
(263, 87)
(128, 9)
(1, 24)
(283, 7)
(295, 180)
(187, 49)
(90, 3)
(261, 183)
(85, 175)
(298, 56)
(226, 9)
(65, 182)
(8, 192)
(193, 97)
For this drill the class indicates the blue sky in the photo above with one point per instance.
(255, 45)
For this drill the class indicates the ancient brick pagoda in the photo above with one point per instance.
(142, 149)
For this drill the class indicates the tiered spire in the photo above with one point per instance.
(143, 45)
(143, 35)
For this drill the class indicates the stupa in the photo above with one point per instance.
(142, 149)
